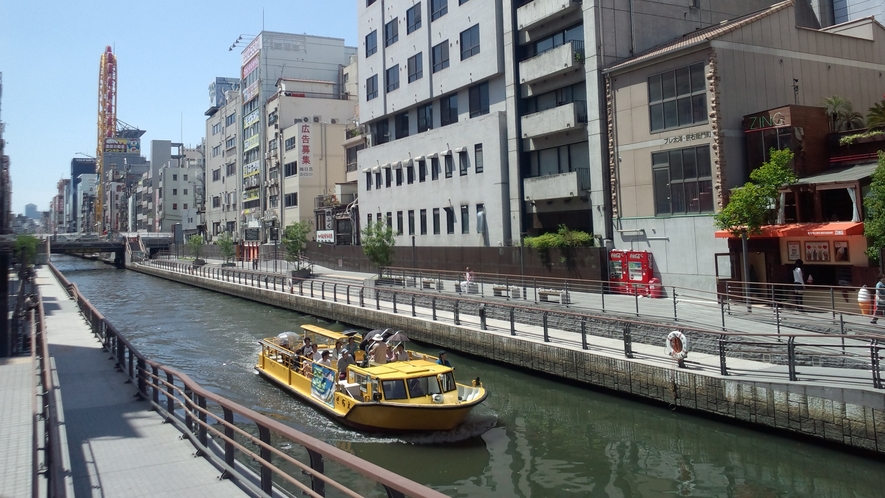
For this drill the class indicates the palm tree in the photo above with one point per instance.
(840, 110)
(853, 120)
(876, 115)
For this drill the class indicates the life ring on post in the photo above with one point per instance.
(677, 346)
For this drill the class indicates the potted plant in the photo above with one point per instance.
(294, 241)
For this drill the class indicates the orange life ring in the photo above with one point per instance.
(677, 345)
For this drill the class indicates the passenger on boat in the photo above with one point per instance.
(400, 354)
(379, 350)
(324, 359)
(304, 350)
(415, 389)
(339, 346)
(351, 346)
(443, 360)
(315, 355)
(344, 360)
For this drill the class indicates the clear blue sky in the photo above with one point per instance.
(168, 53)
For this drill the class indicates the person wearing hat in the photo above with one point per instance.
(379, 350)
(324, 359)
(443, 360)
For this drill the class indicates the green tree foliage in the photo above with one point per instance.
(842, 114)
(195, 246)
(874, 224)
(26, 249)
(876, 115)
(563, 238)
(225, 243)
(294, 241)
(378, 242)
(750, 206)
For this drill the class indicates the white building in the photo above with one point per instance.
(223, 185)
(432, 93)
(86, 202)
(176, 199)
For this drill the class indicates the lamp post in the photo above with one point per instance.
(274, 235)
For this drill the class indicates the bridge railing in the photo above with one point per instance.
(794, 350)
(245, 443)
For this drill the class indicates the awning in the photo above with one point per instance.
(446, 153)
(419, 158)
(459, 150)
(376, 169)
(398, 165)
(366, 170)
(386, 165)
(833, 229)
(432, 155)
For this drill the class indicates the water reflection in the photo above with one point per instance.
(532, 438)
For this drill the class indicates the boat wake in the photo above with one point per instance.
(475, 425)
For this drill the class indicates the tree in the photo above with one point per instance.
(225, 243)
(378, 242)
(842, 114)
(874, 224)
(195, 246)
(26, 249)
(294, 241)
(876, 115)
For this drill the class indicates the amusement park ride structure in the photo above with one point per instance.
(107, 123)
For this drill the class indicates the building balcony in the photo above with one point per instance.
(559, 119)
(538, 12)
(558, 186)
(552, 63)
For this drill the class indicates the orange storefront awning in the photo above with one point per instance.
(833, 229)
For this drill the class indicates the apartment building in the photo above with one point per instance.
(223, 183)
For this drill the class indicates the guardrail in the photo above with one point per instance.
(243, 449)
(789, 349)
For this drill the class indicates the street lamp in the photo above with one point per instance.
(274, 236)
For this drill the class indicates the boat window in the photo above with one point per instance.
(422, 386)
(394, 389)
(447, 381)
(359, 379)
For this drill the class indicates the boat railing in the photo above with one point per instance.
(252, 450)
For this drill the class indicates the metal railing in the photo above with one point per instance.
(244, 443)
(784, 348)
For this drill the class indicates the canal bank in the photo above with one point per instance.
(843, 412)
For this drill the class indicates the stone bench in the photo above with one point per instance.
(504, 291)
(553, 295)
(468, 288)
(431, 283)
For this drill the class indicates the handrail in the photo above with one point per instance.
(191, 406)
(726, 344)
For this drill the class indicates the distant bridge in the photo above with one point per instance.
(82, 244)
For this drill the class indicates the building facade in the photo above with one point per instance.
(223, 183)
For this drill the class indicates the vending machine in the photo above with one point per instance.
(617, 274)
(640, 270)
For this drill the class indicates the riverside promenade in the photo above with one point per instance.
(114, 445)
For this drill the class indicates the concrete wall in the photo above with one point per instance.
(851, 417)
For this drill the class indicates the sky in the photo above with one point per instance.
(167, 55)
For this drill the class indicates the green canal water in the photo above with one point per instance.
(534, 436)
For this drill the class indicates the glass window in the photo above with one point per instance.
(378, 180)
(402, 124)
(436, 221)
(477, 158)
(413, 18)
(479, 99)
(391, 32)
(399, 222)
(448, 112)
(399, 177)
(368, 181)
(447, 382)
(422, 171)
(371, 87)
(371, 43)
(390, 219)
(440, 56)
(465, 219)
(682, 181)
(434, 168)
(450, 220)
(677, 98)
(470, 42)
(425, 118)
(423, 221)
(416, 67)
(381, 133)
(419, 387)
(411, 222)
(463, 163)
(450, 165)
(410, 174)
(388, 177)
(480, 218)
(438, 8)
(394, 389)
(392, 78)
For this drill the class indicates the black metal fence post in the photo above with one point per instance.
(482, 316)
(544, 323)
(584, 333)
(413, 305)
(675, 318)
(791, 357)
(457, 314)
(433, 307)
(377, 300)
(512, 321)
(394, 303)
(362, 294)
(874, 362)
(628, 341)
(723, 369)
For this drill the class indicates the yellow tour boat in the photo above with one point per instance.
(410, 395)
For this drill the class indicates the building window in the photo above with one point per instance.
(438, 8)
(371, 87)
(381, 132)
(562, 159)
(435, 221)
(391, 32)
(682, 181)
(216, 151)
(185, 193)
(216, 201)
(399, 222)
(470, 42)
(479, 99)
(477, 158)
(291, 200)
(465, 219)
(423, 221)
(216, 128)
(216, 174)
(368, 181)
(480, 218)
(411, 222)
(231, 169)
(448, 110)
(231, 119)
(440, 56)
(410, 174)
(290, 169)
(175, 191)
(425, 118)
(450, 165)
(378, 181)
(378, 217)
(289, 143)
(369, 219)
(390, 219)
(463, 163)
(413, 18)
(416, 67)
(392, 78)
(450, 220)
(677, 98)
(399, 177)
(174, 205)
(401, 121)
(388, 177)
(422, 171)
(371, 43)
(369, 2)
(434, 168)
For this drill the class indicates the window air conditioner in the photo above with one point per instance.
(333, 121)
(317, 119)
(305, 119)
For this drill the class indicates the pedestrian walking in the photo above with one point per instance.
(880, 299)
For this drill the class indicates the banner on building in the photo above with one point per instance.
(305, 167)
(118, 145)
(326, 236)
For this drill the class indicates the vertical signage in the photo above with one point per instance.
(305, 169)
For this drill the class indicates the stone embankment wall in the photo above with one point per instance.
(851, 417)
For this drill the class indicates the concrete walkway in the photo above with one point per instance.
(118, 447)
